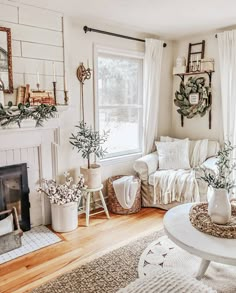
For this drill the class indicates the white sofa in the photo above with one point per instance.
(147, 166)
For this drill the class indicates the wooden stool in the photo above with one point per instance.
(87, 192)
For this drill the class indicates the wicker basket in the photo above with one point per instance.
(113, 204)
(11, 240)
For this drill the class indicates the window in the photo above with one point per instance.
(119, 101)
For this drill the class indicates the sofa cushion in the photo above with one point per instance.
(212, 149)
(173, 155)
(151, 178)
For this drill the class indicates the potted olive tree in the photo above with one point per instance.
(220, 184)
(89, 142)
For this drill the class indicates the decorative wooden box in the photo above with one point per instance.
(11, 240)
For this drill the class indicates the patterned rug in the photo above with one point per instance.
(32, 240)
(164, 254)
(120, 267)
(106, 274)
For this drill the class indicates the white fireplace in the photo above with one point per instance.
(38, 148)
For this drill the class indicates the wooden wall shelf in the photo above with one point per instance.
(181, 75)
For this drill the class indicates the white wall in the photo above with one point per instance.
(79, 48)
(197, 127)
(38, 40)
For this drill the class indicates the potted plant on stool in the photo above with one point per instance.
(88, 142)
(64, 199)
(220, 183)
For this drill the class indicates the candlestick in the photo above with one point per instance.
(66, 98)
(65, 83)
(191, 63)
(38, 86)
(55, 91)
(38, 77)
(54, 72)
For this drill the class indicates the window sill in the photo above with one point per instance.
(120, 159)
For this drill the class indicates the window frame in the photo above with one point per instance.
(121, 53)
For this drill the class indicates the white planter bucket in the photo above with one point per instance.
(92, 176)
(219, 207)
(64, 217)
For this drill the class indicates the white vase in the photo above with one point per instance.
(92, 176)
(219, 207)
(64, 217)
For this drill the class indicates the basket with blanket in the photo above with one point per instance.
(124, 196)
(10, 231)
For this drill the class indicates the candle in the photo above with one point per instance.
(65, 83)
(38, 77)
(54, 71)
(197, 60)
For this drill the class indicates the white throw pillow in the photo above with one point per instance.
(173, 155)
(167, 139)
(6, 225)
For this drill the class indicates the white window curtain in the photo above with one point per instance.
(227, 58)
(152, 76)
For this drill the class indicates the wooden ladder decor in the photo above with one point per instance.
(196, 52)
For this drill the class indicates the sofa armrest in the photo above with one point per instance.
(210, 164)
(146, 165)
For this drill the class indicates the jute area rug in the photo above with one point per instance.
(137, 259)
(106, 274)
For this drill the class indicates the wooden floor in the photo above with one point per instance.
(77, 247)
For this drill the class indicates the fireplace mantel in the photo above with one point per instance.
(29, 124)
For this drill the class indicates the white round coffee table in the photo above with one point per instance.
(180, 230)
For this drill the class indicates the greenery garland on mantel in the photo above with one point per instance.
(16, 114)
(193, 85)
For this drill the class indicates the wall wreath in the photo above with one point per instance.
(194, 88)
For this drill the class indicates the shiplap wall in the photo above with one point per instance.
(37, 42)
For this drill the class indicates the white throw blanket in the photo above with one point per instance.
(180, 185)
(175, 185)
(125, 190)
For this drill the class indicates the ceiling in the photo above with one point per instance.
(169, 19)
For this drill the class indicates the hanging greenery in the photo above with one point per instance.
(194, 85)
(15, 115)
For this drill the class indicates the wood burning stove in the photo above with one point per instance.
(14, 192)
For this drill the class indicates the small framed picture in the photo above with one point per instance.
(194, 99)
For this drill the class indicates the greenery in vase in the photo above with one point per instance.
(225, 167)
(88, 142)
(15, 115)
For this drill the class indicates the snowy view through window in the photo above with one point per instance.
(120, 102)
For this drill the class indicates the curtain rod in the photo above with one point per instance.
(89, 29)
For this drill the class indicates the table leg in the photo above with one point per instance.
(104, 204)
(202, 269)
(87, 207)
